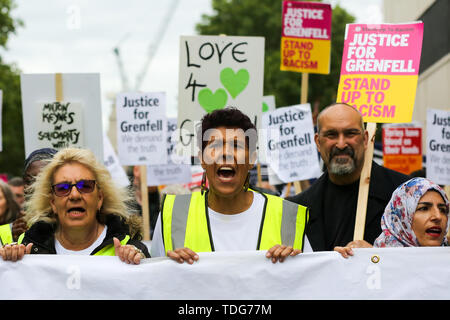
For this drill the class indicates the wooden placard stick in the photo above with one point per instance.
(58, 88)
(364, 183)
(144, 202)
(303, 99)
(258, 171)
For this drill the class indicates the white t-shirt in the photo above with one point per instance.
(61, 250)
(230, 232)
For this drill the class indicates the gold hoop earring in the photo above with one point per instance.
(247, 182)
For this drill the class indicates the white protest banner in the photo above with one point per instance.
(174, 171)
(438, 146)
(141, 128)
(216, 72)
(112, 163)
(375, 273)
(289, 140)
(1, 101)
(62, 110)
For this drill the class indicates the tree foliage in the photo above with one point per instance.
(13, 155)
(263, 18)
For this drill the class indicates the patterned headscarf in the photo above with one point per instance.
(396, 223)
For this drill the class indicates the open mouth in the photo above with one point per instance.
(76, 211)
(434, 231)
(226, 172)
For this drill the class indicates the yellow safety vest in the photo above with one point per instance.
(6, 236)
(185, 223)
(106, 251)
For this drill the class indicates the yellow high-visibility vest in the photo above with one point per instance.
(108, 250)
(185, 223)
(6, 236)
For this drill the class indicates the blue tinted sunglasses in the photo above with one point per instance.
(64, 189)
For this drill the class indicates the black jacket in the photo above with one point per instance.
(42, 235)
(383, 182)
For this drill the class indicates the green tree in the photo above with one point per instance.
(263, 18)
(13, 155)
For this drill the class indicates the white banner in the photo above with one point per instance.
(387, 273)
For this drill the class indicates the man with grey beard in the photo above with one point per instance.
(332, 200)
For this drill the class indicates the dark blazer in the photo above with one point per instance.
(383, 182)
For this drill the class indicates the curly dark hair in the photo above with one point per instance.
(229, 117)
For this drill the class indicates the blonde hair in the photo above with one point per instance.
(116, 200)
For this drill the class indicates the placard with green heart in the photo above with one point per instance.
(210, 101)
(235, 83)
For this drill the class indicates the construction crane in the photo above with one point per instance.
(123, 76)
(151, 50)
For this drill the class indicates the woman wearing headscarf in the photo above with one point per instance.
(76, 208)
(230, 215)
(416, 216)
(9, 211)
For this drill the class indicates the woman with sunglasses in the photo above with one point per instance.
(75, 208)
(229, 216)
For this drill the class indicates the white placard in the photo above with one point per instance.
(1, 138)
(268, 105)
(438, 146)
(141, 128)
(216, 72)
(289, 140)
(174, 171)
(61, 125)
(113, 165)
(81, 92)
(243, 275)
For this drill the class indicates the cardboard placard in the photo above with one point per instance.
(141, 128)
(174, 171)
(289, 140)
(402, 147)
(112, 163)
(380, 63)
(438, 146)
(306, 37)
(61, 110)
(216, 72)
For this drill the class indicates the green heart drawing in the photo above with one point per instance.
(235, 83)
(265, 107)
(212, 101)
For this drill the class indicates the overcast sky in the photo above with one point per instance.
(77, 36)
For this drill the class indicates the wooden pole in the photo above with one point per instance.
(144, 202)
(258, 170)
(303, 99)
(59, 97)
(364, 183)
(288, 189)
(304, 92)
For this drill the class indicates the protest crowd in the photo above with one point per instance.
(318, 166)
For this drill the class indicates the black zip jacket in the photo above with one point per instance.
(42, 235)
